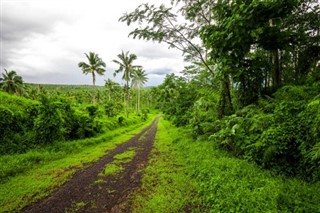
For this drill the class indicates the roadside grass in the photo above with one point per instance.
(28, 177)
(188, 175)
(165, 187)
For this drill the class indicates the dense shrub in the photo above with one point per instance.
(92, 110)
(16, 123)
(25, 124)
(113, 108)
(280, 134)
(48, 126)
(144, 114)
(121, 120)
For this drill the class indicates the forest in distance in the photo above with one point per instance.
(239, 128)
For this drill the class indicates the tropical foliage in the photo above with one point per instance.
(95, 66)
(138, 80)
(245, 109)
(11, 82)
(252, 86)
(126, 66)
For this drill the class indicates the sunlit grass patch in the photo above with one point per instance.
(125, 157)
(111, 169)
(116, 166)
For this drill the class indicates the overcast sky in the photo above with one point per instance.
(44, 40)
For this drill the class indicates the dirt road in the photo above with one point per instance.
(106, 185)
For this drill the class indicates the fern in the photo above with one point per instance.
(315, 152)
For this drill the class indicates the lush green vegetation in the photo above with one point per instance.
(247, 108)
(30, 176)
(48, 132)
(253, 84)
(185, 174)
(249, 100)
(27, 124)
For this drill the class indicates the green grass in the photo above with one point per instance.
(165, 186)
(99, 181)
(112, 169)
(28, 177)
(184, 174)
(119, 159)
(125, 157)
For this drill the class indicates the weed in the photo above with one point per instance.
(99, 181)
(75, 207)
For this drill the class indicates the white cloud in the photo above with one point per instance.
(44, 40)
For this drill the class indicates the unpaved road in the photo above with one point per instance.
(89, 191)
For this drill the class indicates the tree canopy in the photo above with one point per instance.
(95, 66)
(11, 82)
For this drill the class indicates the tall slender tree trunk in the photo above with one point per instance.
(138, 100)
(276, 63)
(225, 102)
(127, 102)
(94, 88)
(277, 70)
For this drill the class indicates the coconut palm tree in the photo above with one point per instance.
(138, 80)
(11, 82)
(125, 65)
(111, 87)
(95, 66)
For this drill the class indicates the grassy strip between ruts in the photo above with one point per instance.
(45, 169)
(188, 175)
(116, 166)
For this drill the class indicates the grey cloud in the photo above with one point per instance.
(28, 24)
(160, 71)
(15, 29)
(20, 19)
(156, 52)
(20, 22)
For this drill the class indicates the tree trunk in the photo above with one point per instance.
(276, 63)
(138, 100)
(277, 70)
(225, 102)
(127, 102)
(94, 88)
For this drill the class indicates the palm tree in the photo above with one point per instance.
(138, 80)
(96, 65)
(11, 82)
(111, 87)
(125, 66)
